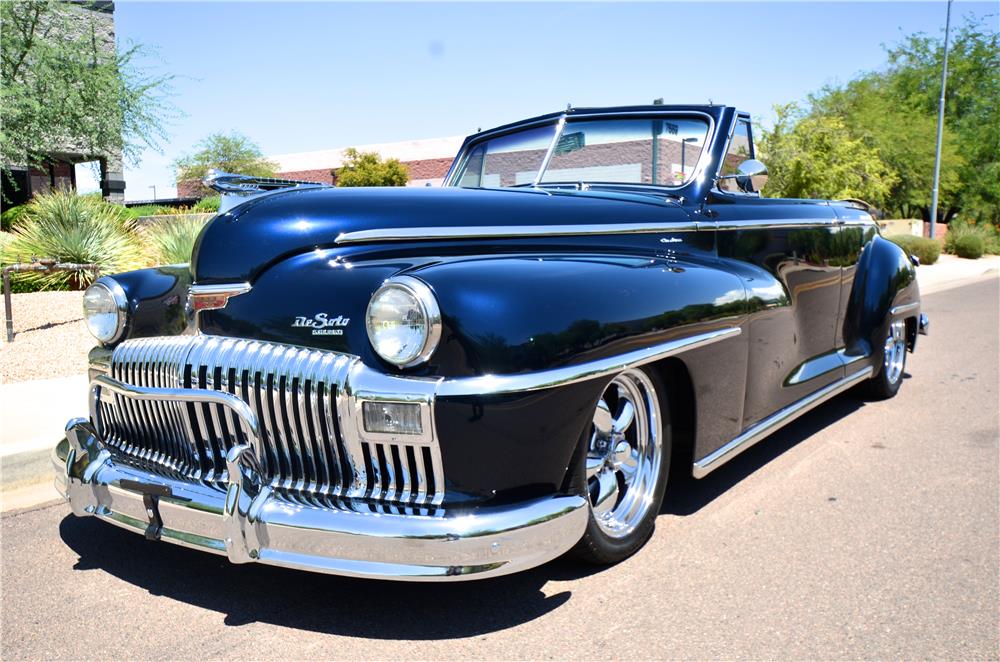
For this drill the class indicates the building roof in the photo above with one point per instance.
(407, 150)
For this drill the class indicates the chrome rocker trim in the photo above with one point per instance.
(247, 523)
(782, 417)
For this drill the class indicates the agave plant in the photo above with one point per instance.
(171, 240)
(77, 229)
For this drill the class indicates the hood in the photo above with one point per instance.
(240, 244)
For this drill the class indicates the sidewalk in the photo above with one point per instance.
(34, 413)
(950, 271)
(32, 417)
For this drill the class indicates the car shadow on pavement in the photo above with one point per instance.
(687, 495)
(321, 603)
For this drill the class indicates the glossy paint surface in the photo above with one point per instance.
(809, 284)
(157, 299)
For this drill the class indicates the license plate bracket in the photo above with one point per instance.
(151, 494)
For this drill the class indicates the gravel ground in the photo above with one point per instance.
(50, 338)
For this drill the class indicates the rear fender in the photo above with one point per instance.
(885, 278)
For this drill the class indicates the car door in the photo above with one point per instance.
(782, 249)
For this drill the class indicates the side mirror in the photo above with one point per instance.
(750, 177)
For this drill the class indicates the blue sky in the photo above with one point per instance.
(308, 76)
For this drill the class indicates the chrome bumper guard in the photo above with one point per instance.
(247, 523)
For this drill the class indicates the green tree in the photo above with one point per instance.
(232, 152)
(64, 89)
(895, 111)
(369, 169)
(815, 156)
(972, 105)
(904, 138)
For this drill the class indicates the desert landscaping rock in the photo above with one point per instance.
(50, 338)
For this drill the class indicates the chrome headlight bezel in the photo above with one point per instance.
(114, 291)
(427, 302)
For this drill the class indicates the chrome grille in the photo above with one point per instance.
(310, 445)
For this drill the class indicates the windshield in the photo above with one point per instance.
(659, 152)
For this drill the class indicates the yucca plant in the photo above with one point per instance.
(171, 240)
(73, 228)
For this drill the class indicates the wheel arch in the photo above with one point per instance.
(680, 401)
(885, 279)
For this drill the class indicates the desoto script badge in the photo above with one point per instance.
(322, 324)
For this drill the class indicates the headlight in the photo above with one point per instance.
(404, 321)
(105, 309)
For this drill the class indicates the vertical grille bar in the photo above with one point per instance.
(310, 444)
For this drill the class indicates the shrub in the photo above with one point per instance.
(171, 211)
(927, 250)
(17, 283)
(140, 211)
(959, 229)
(970, 246)
(12, 217)
(209, 205)
(369, 169)
(171, 241)
(73, 228)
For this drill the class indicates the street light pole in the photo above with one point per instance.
(154, 193)
(940, 126)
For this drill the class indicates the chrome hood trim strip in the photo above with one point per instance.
(495, 232)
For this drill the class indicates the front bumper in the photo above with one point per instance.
(248, 523)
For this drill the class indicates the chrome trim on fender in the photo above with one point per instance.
(214, 297)
(774, 223)
(247, 523)
(782, 417)
(502, 231)
(903, 309)
(500, 384)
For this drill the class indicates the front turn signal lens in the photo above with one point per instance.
(392, 417)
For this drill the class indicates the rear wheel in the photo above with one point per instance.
(886, 383)
(626, 466)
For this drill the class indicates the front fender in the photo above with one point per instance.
(515, 314)
(885, 278)
(157, 298)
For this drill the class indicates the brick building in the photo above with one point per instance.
(59, 171)
(427, 160)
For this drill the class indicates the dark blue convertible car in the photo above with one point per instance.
(470, 380)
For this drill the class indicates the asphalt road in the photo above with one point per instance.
(863, 530)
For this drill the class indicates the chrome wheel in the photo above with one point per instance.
(894, 352)
(625, 452)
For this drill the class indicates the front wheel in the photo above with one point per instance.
(626, 467)
(886, 383)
